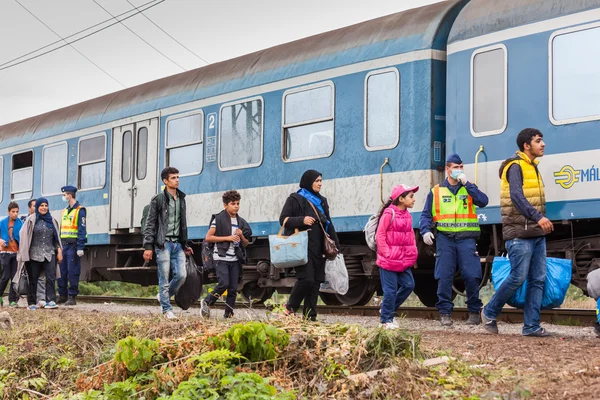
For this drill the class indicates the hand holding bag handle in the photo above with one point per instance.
(329, 248)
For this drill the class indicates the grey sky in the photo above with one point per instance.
(213, 30)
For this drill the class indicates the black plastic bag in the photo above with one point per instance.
(22, 286)
(208, 263)
(191, 290)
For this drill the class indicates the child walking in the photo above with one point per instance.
(396, 252)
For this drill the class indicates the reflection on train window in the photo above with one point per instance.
(54, 168)
(241, 135)
(21, 179)
(308, 116)
(488, 91)
(575, 76)
(92, 162)
(142, 153)
(382, 109)
(126, 156)
(184, 144)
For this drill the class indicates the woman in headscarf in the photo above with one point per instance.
(40, 250)
(300, 215)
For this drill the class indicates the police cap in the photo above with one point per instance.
(70, 189)
(454, 158)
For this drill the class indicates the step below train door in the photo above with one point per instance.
(134, 173)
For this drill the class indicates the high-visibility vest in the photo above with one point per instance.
(69, 223)
(454, 213)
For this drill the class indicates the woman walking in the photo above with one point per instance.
(40, 250)
(299, 213)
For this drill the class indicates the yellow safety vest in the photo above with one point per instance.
(454, 213)
(69, 222)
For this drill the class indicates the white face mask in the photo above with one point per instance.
(456, 173)
(65, 199)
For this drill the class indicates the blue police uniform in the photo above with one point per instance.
(70, 266)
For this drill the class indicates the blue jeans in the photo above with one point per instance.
(449, 254)
(397, 286)
(171, 258)
(527, 261)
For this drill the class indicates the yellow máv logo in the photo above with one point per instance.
(567, 176)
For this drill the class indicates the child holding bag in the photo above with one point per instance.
(396, 252)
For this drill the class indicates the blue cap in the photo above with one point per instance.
(71, 189)
(454, 158)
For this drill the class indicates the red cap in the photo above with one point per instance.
(401, 189)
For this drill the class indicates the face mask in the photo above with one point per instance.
(64, 199)
(455, 173)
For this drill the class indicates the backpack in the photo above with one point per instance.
(371, 230)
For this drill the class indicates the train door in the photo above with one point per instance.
(134, 172)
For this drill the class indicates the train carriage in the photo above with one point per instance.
(364, 104)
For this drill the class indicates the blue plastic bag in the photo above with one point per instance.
(558, 278)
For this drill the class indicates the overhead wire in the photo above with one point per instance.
(77, 33)
(141, 38)
(73, 47)
(167, 33)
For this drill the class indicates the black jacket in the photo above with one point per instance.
(296, 208)
(158, 219)
(223, 228)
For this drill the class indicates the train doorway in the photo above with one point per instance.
(134, 173)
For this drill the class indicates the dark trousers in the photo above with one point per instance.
(9, 269)
(309, 278)
(34, 269)
(228, 274)
(70, 268)
(449, 253)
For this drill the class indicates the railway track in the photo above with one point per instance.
(567, 316)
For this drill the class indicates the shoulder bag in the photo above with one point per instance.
(330, 251)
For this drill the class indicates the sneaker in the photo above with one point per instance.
(228, 315)
(490, 325)
(389, 325)
(62, 299)
(32, 307)
(474, 319)
(288, 313)
(539, 333)
(158, 296)
(71, 301)
(41, 304)
(445, 320)
(204, 310)
(13, 304)
(597, 329)
(50, 305)
(170, 315)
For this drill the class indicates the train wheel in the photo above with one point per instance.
(252, 293)
(330, 299)
(359, 293)
(426, 289)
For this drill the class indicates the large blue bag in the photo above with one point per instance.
(289, 251)
(558, 278)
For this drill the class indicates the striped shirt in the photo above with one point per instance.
(230, 255)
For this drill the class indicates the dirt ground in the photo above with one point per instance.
(551, 368)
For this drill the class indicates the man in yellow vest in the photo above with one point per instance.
(450, 208)
(524, 230)
(73, 235)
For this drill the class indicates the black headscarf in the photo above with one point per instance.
(47, 218)
(308, 178)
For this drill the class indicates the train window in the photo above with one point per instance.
(142, 153)
(574, 76)
(126, 156)
(54, 168)
(308, 122)
(489, 91)
(184, 143)
(382, 109)
(21, 182)
(241, 135)
(92, 162)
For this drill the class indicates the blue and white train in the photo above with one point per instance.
(369, 105)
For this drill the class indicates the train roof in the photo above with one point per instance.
(480, 17)
(416, 29)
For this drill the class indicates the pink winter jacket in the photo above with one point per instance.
(396, 245)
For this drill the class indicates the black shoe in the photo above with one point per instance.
(597, 329)
(61, 300)
(71, 301)
(474, 319)
(490, 325)
(445, 320)
(228, 315)
(539, 333)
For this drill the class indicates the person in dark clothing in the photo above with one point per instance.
(230, 234)
(297, 213)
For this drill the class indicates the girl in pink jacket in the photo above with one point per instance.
(396, 252)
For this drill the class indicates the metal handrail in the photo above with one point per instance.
(385, 162)
(477, 163)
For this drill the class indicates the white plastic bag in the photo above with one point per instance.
(336, 275)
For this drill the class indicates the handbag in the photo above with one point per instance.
(330, 250)
(22, 286)
(288, 251)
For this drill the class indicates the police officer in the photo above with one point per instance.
(73, 235)
(450, 207)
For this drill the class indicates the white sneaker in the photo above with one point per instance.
(158, 296)
(41, 304)
(389, 325)
(170, 315)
